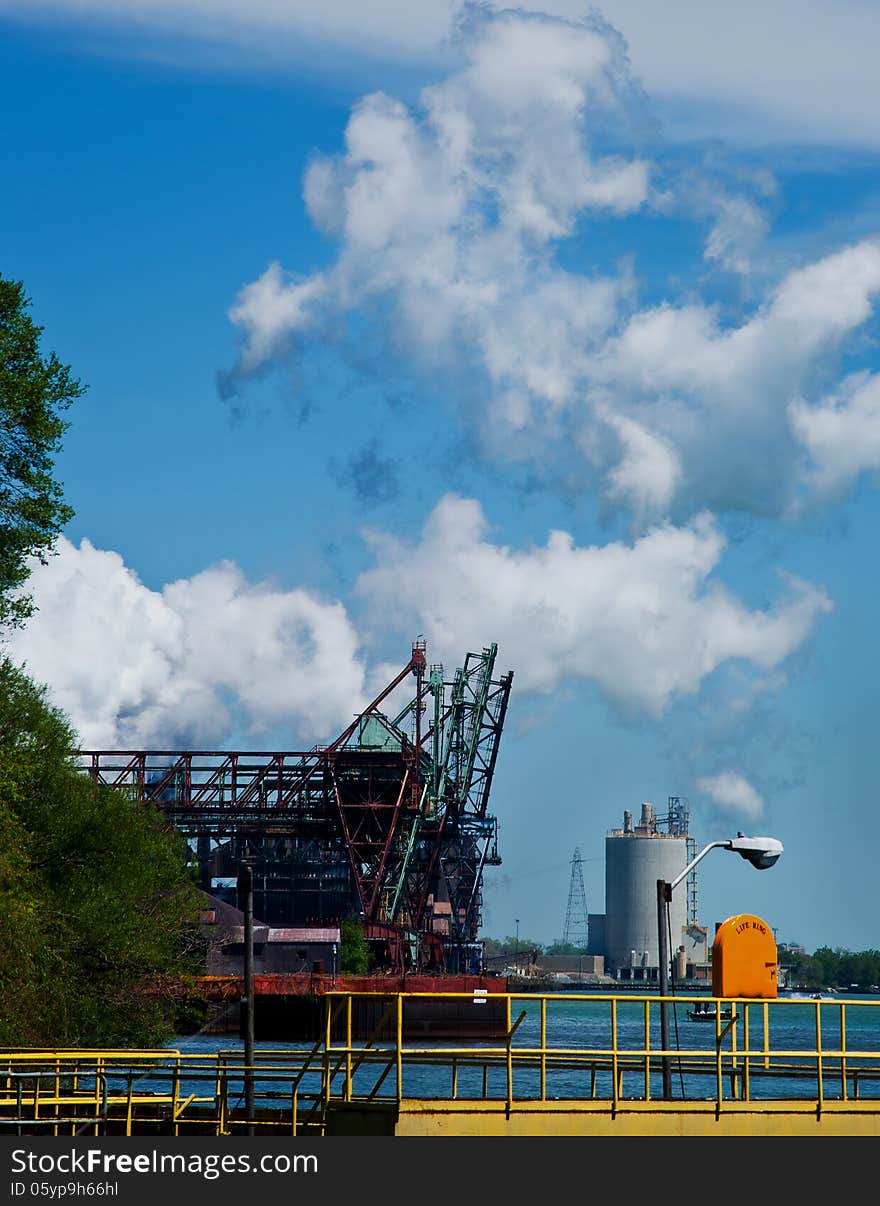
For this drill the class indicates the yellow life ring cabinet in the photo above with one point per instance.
(744, 958)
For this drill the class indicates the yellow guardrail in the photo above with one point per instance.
(549, 1049)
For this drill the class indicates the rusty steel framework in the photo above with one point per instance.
(389, 822)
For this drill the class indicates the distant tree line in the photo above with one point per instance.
(827, 968)
(511, 945)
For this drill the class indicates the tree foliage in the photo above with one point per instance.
(832, 968)
(35, 390)
(354, 955)
(564, 948)
(510, 945)
(96, 904)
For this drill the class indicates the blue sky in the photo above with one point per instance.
(539, 327)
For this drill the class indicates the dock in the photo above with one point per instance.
(734, 1080)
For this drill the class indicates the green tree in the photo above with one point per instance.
(354, 955)
(826, 963)
(35, 390)
(97, 907)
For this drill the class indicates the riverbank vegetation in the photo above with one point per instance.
(97, 904)
(853, 971)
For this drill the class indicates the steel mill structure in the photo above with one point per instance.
(388, 823)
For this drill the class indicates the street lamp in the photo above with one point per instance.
(761, 852)
(516, 948)
(246, 901)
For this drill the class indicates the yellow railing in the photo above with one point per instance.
(169, 1092)
(599, 1050)
(785, 1049)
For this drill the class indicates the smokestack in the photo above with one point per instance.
(627, 821)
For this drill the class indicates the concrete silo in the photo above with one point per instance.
(635, 858)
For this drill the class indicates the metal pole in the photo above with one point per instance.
(246, 899)
(664, 895)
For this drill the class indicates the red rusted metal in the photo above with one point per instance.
(303, 984)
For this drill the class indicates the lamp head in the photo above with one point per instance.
(761, 852)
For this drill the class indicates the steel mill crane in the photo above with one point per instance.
(389, 822)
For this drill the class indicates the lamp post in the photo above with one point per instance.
(246, 901)
(761, 852)
(516, 948)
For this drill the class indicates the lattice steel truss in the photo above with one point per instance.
(390, 821)
(576, 929)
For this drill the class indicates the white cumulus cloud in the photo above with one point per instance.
(271, 308)
(646, 622)
(841, 433)
(719, 394)
(452, 218)
(734, 795)
(450, 212)
(214, 657)
(207, 655)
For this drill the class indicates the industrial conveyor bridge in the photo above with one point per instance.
(389, 822)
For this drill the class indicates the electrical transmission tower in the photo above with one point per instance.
(576, 913)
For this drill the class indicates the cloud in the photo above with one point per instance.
(467, 248)
(449, 213)
(734, 795)
(271, 309)
(283, 29)
(727, 196)
(189, 665)
(719, 394)
(712, 77)
(646, 622)
(757, 72)
(648, 473)
(737, 233)
(841, 433)
(213, 656)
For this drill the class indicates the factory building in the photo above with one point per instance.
(636, 856)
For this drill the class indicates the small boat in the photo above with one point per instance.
(702, 1012)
